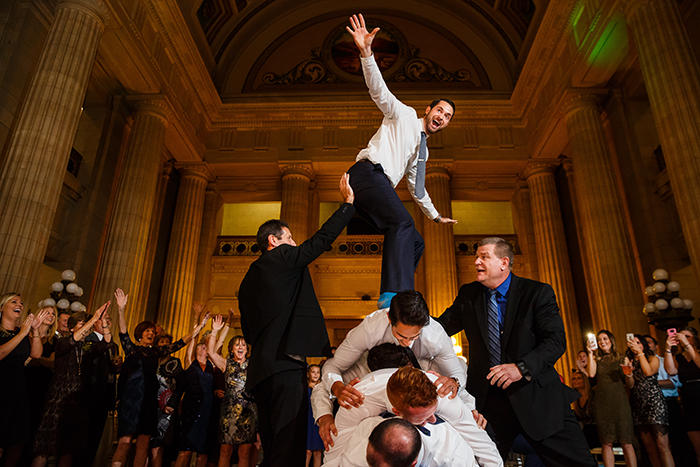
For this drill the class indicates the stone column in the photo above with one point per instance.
(124, 254)
(552, 253)
(35, 166)
(295, 200)
(672, 78)
(153, 236)
(618, 301)
(439, 260)
(175, 309)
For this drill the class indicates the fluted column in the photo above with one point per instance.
(175, 309)
(618, 301)
(672, 78)
(124, 254)
(439, 260)
(153, 236)
(552, 252)
(35, 166)
(295, 200)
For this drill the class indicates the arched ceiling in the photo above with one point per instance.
(253, 47)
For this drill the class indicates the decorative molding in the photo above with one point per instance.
(575, 99)
(262, 140)
(291, 169)
(539, 166)
(199, 170)
(505, 137)
(95, 8)
(296, 139)
(471, 140)
(330, 138)
(156, 105)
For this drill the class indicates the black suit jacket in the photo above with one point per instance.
(280, 314)
(533, 333)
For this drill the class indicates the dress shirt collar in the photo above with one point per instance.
(503, 288)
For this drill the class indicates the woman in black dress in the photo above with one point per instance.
(138, 385)
(16, 346)
(196, 406)
(649, 410)
(683, 361)
(65, 423)
(170, 377)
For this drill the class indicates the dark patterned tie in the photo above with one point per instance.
(494, 329)
(420, 174)
(412, 357)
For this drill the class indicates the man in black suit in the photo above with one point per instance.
(515, 336)
(282, 320)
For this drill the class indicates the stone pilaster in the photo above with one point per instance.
(124, 253)
(35, 166)
(175, 309)
(618, 301)
(672, 78)
(439, 255)
(296, 180)
(211, 227)
(552, 252)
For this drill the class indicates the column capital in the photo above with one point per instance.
(196, 170)
(296, 170)
(155, 105)
(95, 8)
(567, 164)
(437, 169)
(575, 99)
(539, 166)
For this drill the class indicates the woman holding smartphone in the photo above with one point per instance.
(683, 361)
(649, 408)
(611, 409)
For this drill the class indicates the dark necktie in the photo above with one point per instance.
(420, 174)
(412, 358)
(387, 415)
(494, 329)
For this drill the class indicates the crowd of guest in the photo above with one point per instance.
(63, 375)
(631, 398)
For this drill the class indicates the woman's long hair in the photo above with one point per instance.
(613, 346)
(647, 351)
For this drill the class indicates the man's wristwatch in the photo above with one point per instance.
(437, 219)
(456, 382)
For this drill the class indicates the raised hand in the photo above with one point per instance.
(363, 39)
(101, 310)
(27, 324)
(40, 317)
(217, 323)
(121, 298)
(198, 307)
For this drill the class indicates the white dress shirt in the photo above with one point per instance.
(395, 145)
(453, 411)
(443, 448)
(433, 350)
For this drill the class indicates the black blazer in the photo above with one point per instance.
(533, 333)
(280, 314)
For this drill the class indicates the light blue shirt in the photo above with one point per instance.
(663, 375)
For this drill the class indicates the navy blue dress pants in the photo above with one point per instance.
(377, 202)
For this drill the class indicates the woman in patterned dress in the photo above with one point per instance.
(649, 409)
(64, 426)
(239, 416)
(613, 416)
(16, 346)
(170, 377)
(138, 385)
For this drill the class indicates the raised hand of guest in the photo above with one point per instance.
(217, 323)
(121, 299)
